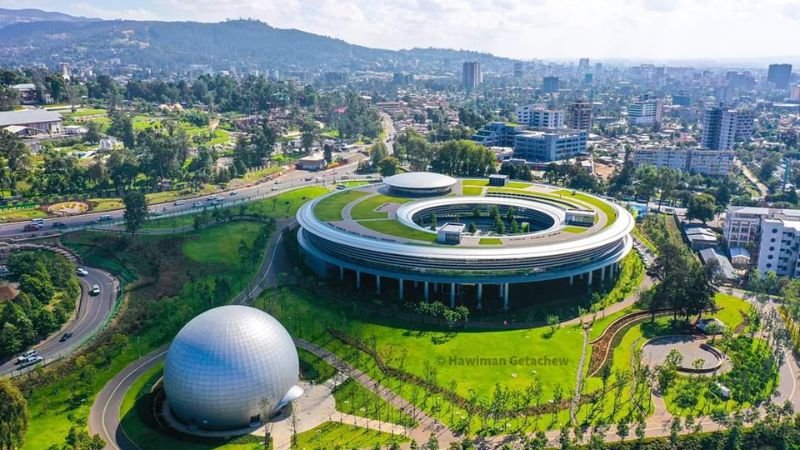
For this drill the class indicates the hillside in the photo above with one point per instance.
(174, 46)
(12, 16)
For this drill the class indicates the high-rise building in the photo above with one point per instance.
(780, 75)
(794, 95)
(471, 75)
(518, 70)
(579, 115)
(583, 64)
(549, 145)
(692, 160)
(537, 116)
(550, 85)
(644, 112)
(723, 127)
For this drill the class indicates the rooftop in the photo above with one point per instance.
(28, 116)
(420, 180)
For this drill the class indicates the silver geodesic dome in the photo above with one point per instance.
(230, 367)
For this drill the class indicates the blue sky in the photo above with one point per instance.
(652, 29)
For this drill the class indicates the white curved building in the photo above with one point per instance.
(230, 368)
(401, 248)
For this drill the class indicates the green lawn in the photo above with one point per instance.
(472, 190)
(574, 229)
(83, 112)
(220, 245)
(186, 220)
(330, 209)
(312, 368)
(730, 310)
(153, 314)
(518, 184)
(475, 182)
(394, 228)
(602, 205)
(17, 215)
(286, 204)
(490, 241)
(169, 196)
(353, 398)
(105, 204)
(365, 209)
(331, 435)
(256, 175)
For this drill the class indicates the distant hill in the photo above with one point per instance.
(174, 46)
(12, 16)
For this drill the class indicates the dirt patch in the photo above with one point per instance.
(8, 291)
(604, 171)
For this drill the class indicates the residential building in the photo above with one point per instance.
(519, 70)
(549, 145)
(579, 116)
(550, 85)
(37, 120)
(773, 233)
(26, 93)
(693, 160)
(471, 75)
(497, 134)
(644, 112)
(780, 75)
(794, 95)
(583, 64)
(537, 116)
(723, 127)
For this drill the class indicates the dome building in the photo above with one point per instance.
(230, 368)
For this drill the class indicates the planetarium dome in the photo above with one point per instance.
(230, 368)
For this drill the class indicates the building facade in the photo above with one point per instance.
(536, 116)
(471, 75)
(780, 75)
(774, 234)
(644, 112)
(579, 115)
(694, 160)
(549, 145)
(35, 119)
(550, 85)
(723, 127)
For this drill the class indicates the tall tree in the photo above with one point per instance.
(701, 207)
(135, 211)
(15, 159)
(13, 416)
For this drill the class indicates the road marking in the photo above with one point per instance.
(114, 393)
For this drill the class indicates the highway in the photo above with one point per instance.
(92, 312)
(289, 180)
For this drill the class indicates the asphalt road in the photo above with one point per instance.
(92, 312)
(290, 180)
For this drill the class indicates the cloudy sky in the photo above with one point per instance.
(652, 29)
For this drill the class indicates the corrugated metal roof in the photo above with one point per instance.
(28, 116)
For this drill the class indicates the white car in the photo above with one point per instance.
(233, 193)
(178, 202)
(31, 361)
(81, 272)
(24, 356)
(95, 290)
(198, 205)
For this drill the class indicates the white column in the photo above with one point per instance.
(505, 297)
(571, 280)
(426, 291)
(358, 279)
(401, 288)
(341, 272)
(452, 295)
(602, 274)
(480, 296)
(589, 283)
(378, 284)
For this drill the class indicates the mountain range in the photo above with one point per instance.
(37, 37)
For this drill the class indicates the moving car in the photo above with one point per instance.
(104, 218)
(31, 361)
(59, 224)
(81, 272)
(233, 193)
(24, 356)
(65, 336)
(198, 205)
(95, 290)
(178, 202)
(340, 187)
(32, 227)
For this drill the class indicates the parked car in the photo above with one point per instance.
(65, 336)
(25, 355)
(104, 218)
(31, 361)
(81, 272)
(95, 290)
(178, 202)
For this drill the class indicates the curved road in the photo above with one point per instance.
(92, 313)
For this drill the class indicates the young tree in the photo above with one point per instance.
(13, 416)
(92, 135)
(135, 211)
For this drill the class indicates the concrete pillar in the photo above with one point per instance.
(452, 295)
(401, 282)
(571, 280)
(505, 296)
(480, 296)
(358, 279)
(602, 274)
(341, 272)
(426, 291)
(378, 284)
(589, 282)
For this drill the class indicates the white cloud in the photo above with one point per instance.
(517, 28)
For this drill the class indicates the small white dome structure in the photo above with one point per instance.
(229, 368)
(420, 183)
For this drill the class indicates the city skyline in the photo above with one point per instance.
(655, 30)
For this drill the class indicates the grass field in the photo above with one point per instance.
(490, 241)
(105, 204)
(518, 184)
(169, 196)
(286, 204)
(332, 435)
(330, 209)
(394, 228)
(472, 190)
(256, 175)
(353, 398)
(314, 369)
(153, 314)
(574, 229)
(365, 209)
(16, 215)
(602, 205)
(475, 182)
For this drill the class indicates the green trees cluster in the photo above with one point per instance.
(456, 157)
(686, 284)
(48, 291)
(13, 416)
